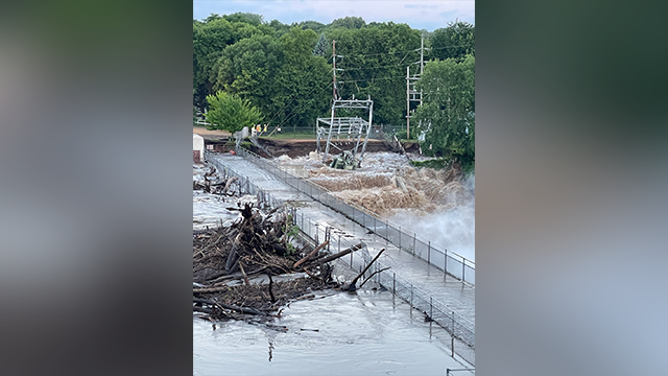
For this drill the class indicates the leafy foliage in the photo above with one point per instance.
(348, 23)
(374, 64)
(285, 72)
(231, 113)
(320, 46)
(436, 163)
(453, 42)
(448, 111)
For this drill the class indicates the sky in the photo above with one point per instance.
(418, 14)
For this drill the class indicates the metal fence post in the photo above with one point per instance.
(445, 265)
(429, 252)
(463, 270)
(414, 243)
(394, 283)
(431, 308)
(452, 337)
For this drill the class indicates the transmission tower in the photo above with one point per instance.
(355, 129)
(412, 95)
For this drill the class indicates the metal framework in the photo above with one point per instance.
(353, 129)
(413, 95)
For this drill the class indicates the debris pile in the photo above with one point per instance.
(214, 184)
(257, 265)
(254, 265)
(344, 161)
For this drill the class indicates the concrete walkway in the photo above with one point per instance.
(447, 290)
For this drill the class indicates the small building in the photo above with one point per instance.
(198, 148)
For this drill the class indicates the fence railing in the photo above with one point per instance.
(462, 331)
(449, 262)
(457, 371)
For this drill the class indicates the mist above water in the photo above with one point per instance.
(453, 229)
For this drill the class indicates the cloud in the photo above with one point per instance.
(418, 14)
(420, 6)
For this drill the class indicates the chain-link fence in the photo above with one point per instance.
(462, 331)
(449, 262)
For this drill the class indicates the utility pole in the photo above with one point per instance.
(334, 69)
(411, 94)
(422, 56)
(408, 102)
(355, 127)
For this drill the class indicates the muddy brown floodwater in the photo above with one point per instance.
(438, 205)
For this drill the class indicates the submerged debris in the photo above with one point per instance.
(259, 263)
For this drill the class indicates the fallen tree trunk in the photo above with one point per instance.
(372, 274)
(351, 286)
(336, 255)
(315, 251)
(248, 310)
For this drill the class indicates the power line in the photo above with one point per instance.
(411, 50)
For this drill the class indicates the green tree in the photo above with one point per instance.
(374, 64)
(302, 92)
(348, 23)
(455, 41)
(230, 113)
(249, 68)
(320, 46)
(313, 25)
(250, 18)
(447, 114)
(209, 41)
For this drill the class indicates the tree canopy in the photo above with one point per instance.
(285, 71)
(447, 115)
(230, 113)
(455, 41)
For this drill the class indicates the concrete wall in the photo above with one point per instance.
(198, 144)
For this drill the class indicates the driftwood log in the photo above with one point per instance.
(352, 285)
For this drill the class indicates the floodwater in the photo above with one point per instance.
(338, 333)
(209, 210)
(433, 206)
(367, 332)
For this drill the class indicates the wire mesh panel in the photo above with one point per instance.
(455, 265)
(470, 274)
(422, 250)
